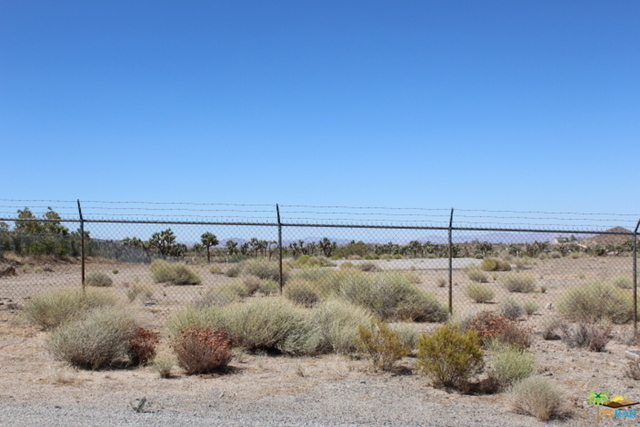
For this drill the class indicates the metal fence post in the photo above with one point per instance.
(635, 280)
(451, 263)
(280, 247)
(81, 243)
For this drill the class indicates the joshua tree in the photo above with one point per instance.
(165, 243)
(327, 246)
(232, 247)
(208, 240)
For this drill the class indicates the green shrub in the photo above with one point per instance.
(383, 345)
(331, 284)
(269, 324)
(201, 349)
(98, 278)
(519, 282)
(476, 275)
(480, 293)
(308, 261)
(450, 357)
(531, 307)
(539, 397)
(314, 274)
(493, 264)
(51, 309)
(302, 292)
(101, 339)
(511, 365)
(175, 273)
(623, 281)
(215, 269)
(511, 309)
(225, 294)
(597, 301)
(335, 326)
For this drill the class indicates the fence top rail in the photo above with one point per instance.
(321, 225)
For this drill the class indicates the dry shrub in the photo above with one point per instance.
(252, 283)
(531, 307)
(450, 357)
(263, 269)
(98, 278)
(476, 275)
(492, 327)
(511, 309)
(175, 273)
(51, 309)
(597, 301)
(408, 333)
(163, 365)
(442, 282)
(519, 282)
(210, 316)
(201, 349)
(101, 339)
(346, 265)
(622, 281)
(510, 365)
(539, 397)
(303, 292)
(480, 293)
(369, 267)
(142, 346)
(269, 287)
(225, 294)
(139, 289)
(633, 370)
(335, 326)
(383, 345)
(583, 335)
(493, 264)
(552, 329)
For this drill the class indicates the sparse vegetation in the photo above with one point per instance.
(163, 364)
(593, 337)
(519, 282)
(335, 326)
(98, 278)
(175, 273)
(539, 397)
(597, 301)
(140, 290)
(531, 307)
(303, 292)
(225, 294)
(622, 281)
(493, 264)
(476, 275)
(510, 365)
(480, 293)
(511, 309)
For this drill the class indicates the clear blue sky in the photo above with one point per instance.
(469, 104)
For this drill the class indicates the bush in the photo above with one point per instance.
(511, 365)
(204, 316)
(105, 337)
(511, 309)
(597, 301)
(335, 326)
(408, 333)
(369, 267)
(539, 397)
(494, 328)
(163, 365)
(450, 357)
(201, 349)
(623, 281)
(302, 292)
(383, 345)
(442, 282)
(551, 329)
(346, 265)
(251, 283)
(139, 289)
(175, 273)
(225, 294)
(593, 337)
(142, 346)
(215, 270)
(493, 264)
(480, 293)
(234, 271)
(54, 308)
(269, 287)
(531, 307)
(476, 275)
(269, 324)
(519, 282)
(263, 269)
(98, 278)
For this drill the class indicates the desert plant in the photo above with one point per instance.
(369, 267)
(519, 282)
(632, 370)
(51, 309)
(476, 275)
(480, 293)
(215, 269)
(252, 283)
(139, 289)
(346, 265)
(335, 326)
(201, 349)
(269, 287)
(163, 365)
(493, 264)
(531, 307)
(234, 271)
(511, 309)
(302, 292)
(142, 346)
(539, 397)
(210, 316)
(494, 328)
(100, 339)
(450, 357)
(175, 273)
(115, 271)
(98, 278)
(622, 281)
(597, 301)
(408, 333)
(225, 294)
(383, 345)
(263, 269)
(267, 324)
(510, 365)
(551, 329)
(593, 337)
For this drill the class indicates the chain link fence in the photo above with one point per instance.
(417, 265)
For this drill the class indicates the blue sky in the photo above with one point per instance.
(468, 104)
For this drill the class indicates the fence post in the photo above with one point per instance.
(81, 243)
(280, 247)
(451, 263)
(635, 280)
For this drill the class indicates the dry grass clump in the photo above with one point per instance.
(552, 329)
(303, 292)
(201, 349)
(480, 293)
(335, 326)
(225, 294)
(622, 281)
(98, 278)
(163, 364)
(263, 269)
(176, 273)
(105, 337)
(450, 357)
(511, 309)
(531, 307)
(519, 282)
(252, 283)
(269, 287)
(593, 337)
(597, 301)
(51, 309)
(383, 345)
(510, 365)
(210, 316)
(539, 397)
(475, 274)
(408, 333)
(139, 290)
(493, 264)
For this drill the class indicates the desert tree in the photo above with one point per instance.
(209, 240)
(232, 247)
(165, 243)
(415, 247)
(327, 246)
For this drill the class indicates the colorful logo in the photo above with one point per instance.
(613, 406)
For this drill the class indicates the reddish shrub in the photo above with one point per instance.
(202, 349)
(492, 326)
(143, 346)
